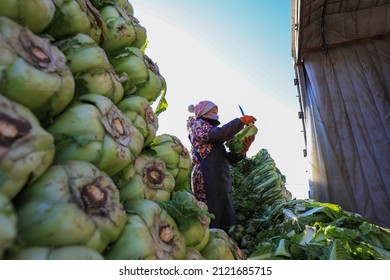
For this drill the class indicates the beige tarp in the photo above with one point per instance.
(341, 51)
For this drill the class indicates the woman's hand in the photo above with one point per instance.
(248, 119)
(248, 142)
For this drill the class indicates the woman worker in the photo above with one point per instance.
(210, 178)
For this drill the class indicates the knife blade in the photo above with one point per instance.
(242, 110)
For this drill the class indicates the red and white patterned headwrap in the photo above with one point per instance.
(201, 108)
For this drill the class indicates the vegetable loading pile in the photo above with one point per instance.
(272, 225)
(84, 173)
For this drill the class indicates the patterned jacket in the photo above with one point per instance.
(210, 156)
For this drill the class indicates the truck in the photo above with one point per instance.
(341, 57)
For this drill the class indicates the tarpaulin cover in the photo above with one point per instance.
(343, 66)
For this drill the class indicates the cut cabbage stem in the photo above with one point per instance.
(39, 56)
(94, 197)
(33, 52)
(12, 129)
(167, 233)
(118, 125)
(154, 175)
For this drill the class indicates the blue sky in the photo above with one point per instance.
(250, 35)
(233, 53)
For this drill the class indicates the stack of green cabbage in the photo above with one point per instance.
(83, 173)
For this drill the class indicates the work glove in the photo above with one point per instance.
(247, 142)
(247, 119)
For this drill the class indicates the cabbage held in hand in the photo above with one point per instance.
(236, 144)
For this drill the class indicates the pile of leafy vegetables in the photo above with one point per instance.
(307, 229)
(257, 183)
(272, 225)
